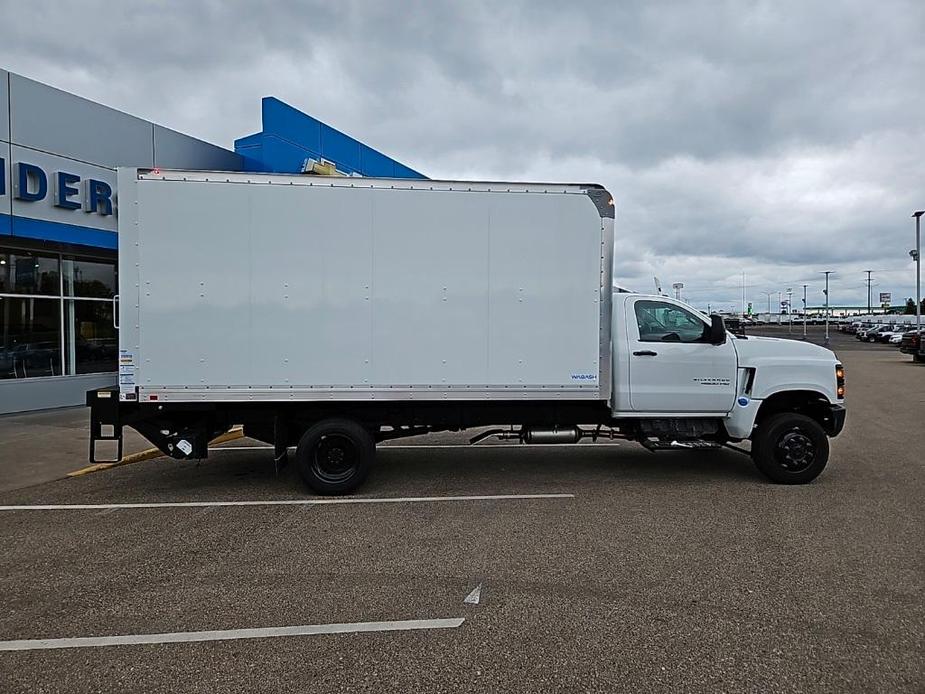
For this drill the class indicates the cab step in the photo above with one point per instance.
(679, 445)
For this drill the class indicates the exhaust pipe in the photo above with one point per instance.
(547, 435)
(554, 435)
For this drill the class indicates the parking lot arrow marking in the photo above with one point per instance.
(229, 634)
(285, 502)
(473, 597)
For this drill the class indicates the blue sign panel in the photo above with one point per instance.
(289, 137)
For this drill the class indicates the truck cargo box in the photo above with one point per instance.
(260, 287)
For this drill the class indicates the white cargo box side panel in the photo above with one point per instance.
(544, 313)
(310, 263)
(195, 285)
(269, 290)
(430, 288)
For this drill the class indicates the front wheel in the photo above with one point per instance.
(334, 456)
(790, 448)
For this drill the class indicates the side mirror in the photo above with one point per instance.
(717, 330)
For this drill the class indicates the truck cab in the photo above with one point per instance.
(675, 367)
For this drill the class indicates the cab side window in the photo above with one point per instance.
(659, 321)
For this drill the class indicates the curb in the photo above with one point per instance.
(149, 453)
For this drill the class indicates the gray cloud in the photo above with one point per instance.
(772, 138)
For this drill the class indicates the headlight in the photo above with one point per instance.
(840, 380)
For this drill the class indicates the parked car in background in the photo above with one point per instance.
(887, 335)
(874, 334)
(852, 328)
(910, 342)
(866, 330)
(882, 334)
(898, 335)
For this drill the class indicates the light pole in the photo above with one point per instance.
(769, 295)
(868, 290)
(804, 310)
(826, 292)
(790, 309)
(918, 282)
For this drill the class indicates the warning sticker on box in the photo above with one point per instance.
(126, 369)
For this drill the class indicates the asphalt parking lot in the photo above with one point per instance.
(677, 571)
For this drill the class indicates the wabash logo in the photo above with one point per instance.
(68, 191)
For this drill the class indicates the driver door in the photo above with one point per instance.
(672, 365)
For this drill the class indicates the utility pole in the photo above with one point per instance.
(827, 273)
(804, 310)
(790, 309)
(918, 284)
(744, 294)
(868, 289)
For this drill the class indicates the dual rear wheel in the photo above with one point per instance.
(334, 456)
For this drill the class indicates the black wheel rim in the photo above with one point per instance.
(795, 451)
(335, 458)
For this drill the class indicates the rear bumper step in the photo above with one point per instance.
(104, 411)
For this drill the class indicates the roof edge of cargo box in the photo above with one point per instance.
(599, 195)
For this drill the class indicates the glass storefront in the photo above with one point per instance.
(55, 314)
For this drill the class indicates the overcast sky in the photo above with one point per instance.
(772, 138)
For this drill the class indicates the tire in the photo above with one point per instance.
(334, 456)
(790, 448)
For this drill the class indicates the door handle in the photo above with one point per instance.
(645, 353)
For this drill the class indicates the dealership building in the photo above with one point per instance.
(58, 221)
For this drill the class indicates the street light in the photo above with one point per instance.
(790, 309)
(769, 295)
(826, 292)
(869, 272)
(918, 282)
(804, 310)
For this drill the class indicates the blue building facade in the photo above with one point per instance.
(58, 221)
(289, 137)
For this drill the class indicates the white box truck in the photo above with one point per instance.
(332, 313)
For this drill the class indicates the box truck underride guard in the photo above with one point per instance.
(332, 313)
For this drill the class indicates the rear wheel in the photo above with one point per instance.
(790, 448)
(334, 456)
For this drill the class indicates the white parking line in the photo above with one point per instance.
(285, 502)
(230, 634)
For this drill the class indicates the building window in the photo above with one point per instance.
(56, 314)
(89, 278)
(31, 337)
(91, 337)
(23, 272)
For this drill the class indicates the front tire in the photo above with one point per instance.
(334, 456)
(790, 448)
